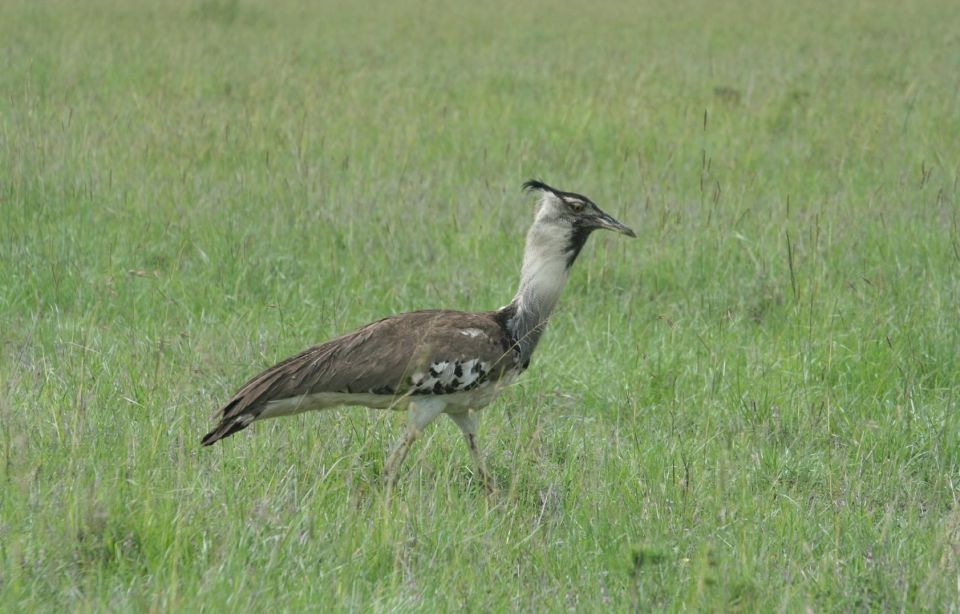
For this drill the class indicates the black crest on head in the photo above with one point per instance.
(533, 185)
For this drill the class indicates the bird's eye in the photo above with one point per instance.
(576, 206)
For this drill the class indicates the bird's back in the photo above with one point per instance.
(384, 363)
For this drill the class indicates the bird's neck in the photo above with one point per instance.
(546, 266)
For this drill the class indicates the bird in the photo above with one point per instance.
(432, 362)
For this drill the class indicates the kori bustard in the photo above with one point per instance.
(432, 362)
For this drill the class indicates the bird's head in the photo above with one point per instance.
(565, 219)
(572, 213)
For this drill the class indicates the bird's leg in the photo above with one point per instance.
(422, 413)
(468, 422)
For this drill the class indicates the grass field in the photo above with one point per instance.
(752, 407)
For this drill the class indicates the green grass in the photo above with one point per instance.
(753, 406)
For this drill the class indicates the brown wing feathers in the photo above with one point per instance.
(295, 376)
(379, 357)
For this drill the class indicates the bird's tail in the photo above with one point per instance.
(228, 425)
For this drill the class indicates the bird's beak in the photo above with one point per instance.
(608, 223)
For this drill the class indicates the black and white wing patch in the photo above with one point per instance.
(450, 376)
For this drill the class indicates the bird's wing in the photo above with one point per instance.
(423, 352)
